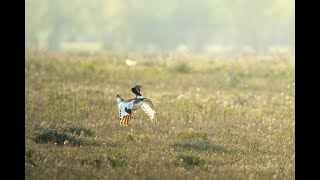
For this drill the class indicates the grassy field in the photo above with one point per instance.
(227, 118)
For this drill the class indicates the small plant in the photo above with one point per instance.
(239, 100)
(234, 80)
(79, 131)
(134, 138)
(188, 160)
(89, 66)
(130, 138)
(182, 68)
(117, 161)
(202, 136)
(29, 152)
(97, 161)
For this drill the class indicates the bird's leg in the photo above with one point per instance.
(155, 120)
(129, 118)
(126, 121)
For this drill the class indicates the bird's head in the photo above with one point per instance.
(136, 90)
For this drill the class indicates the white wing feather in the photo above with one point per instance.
(148, 108)
(122, 106)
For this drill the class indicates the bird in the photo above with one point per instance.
(127, 107)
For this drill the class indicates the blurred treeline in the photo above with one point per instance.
(198, 26)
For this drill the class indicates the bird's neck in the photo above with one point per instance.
(139, 97)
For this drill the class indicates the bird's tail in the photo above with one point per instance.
(125, 120)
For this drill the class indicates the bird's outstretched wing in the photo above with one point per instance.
(125, 109)
(148, 108)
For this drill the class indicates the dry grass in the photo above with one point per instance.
(222, 119)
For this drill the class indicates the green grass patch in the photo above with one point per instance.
(135, 138)
(93, 161)
(201, 136)
(117, 160)
(29, 153)
(181, 67)
(79, 131)
(188, 160)
(58, 136)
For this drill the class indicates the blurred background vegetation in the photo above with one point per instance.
(205, 27)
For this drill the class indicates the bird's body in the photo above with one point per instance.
(127, 107)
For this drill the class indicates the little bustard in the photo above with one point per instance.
(127, 107)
